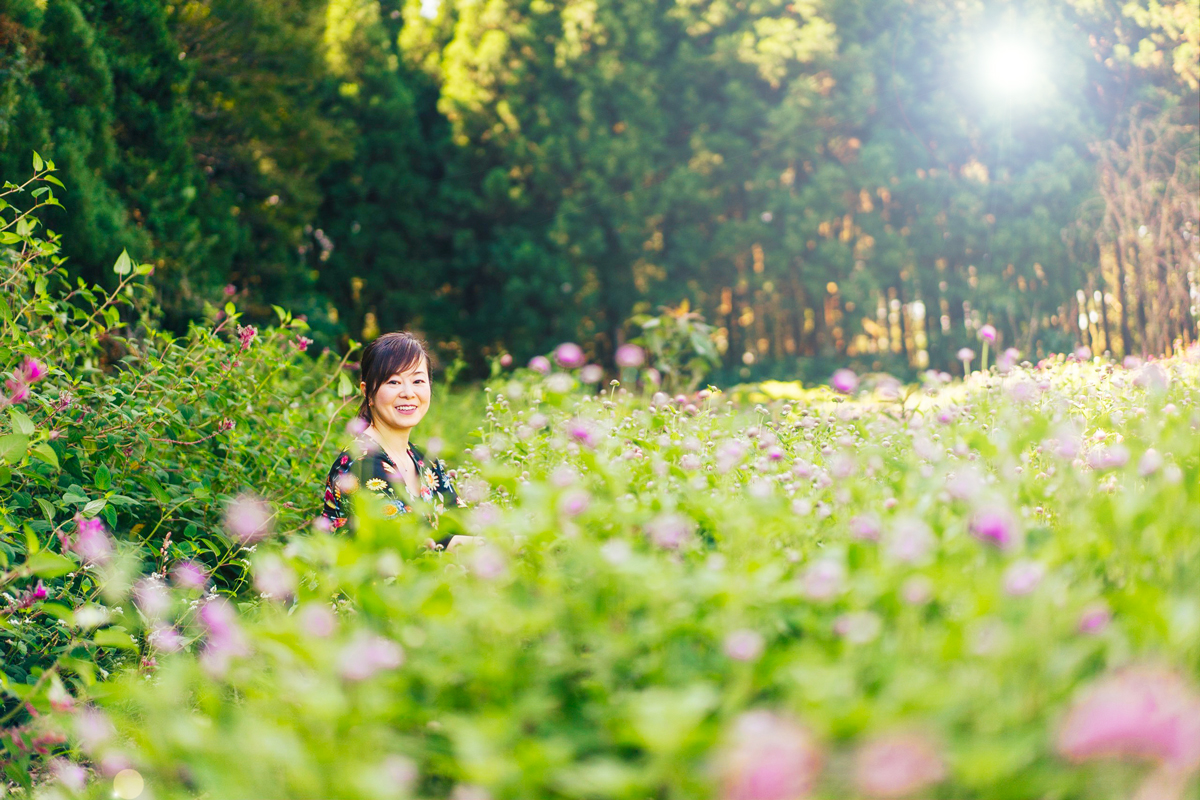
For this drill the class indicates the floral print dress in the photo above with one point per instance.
(364, 466)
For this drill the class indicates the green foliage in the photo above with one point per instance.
(681, 347)
(585, 650)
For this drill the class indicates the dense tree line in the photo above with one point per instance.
(822, 180)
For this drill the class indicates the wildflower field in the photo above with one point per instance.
(982, 588)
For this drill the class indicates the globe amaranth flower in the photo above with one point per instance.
(844, 381)
(367, 654)
(768, 756)
(996, 526)
(896, 765)
(744, 645)
(540, 364)
(569, 355)
(1142, 712)
(670, 531)
(630, 356)
(988, 334)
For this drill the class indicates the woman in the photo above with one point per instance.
(381, 460)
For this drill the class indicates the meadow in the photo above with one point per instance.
(981, 588)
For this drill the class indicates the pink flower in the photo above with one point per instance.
(302, 343)
(744, 645)
(230, 290)
(909, 541)
(33, 370)
(69, 774)
(1083, 353)
(574, 502)
(93, 730)
(317, 620)
(274, 578)
(1150, 463)
(1109, 457)
(1007, 360)
(506, 360)
(18, 390)
(897, 764)
(823, 579)
(768, 757)
(569, 355)
(152, 598)
(165, 638)
(1023, 577)
(865, 527)
(1095, 618)
(917, 590)
(246, 335)
(540, 364)
(844, 381)
(488, 562)
(225, 425)
(670, 531)
(224, 639)
(92, 543)
(582, 431)
(966, 354)
(592, 373)
(995, 526)
(988, 334)
(1142, 712)
(368, 653)
(248, 519)
(189, 575)
(630, 356)
(858, 627)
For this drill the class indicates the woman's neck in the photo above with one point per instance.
(394, 440)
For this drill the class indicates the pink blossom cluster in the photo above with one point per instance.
(30, 372)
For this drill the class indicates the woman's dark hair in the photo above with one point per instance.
(383, 358)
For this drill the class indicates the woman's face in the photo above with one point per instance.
(402, 399)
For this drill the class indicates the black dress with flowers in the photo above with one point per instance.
(364, 466)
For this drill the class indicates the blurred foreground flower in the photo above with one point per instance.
(670, 531)
(248, 519)
(92, 543)
(768, 757)
(1143, 712)
(630, 356)
(896, 765)
(744, 645)
(224, 637)
(844, 381)
(368, 653)
(995, 526)
(569, 355)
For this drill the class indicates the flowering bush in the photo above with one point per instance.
(813, 598)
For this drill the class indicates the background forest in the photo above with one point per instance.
(864, 181)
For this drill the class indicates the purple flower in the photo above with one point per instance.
(988, 334)
(858, 627)
(274, 578)
(33, 370)
(574, 502)
(189, 575)
(582, 431)
(670, 531)
(823, 579)
(1142, 712)
(246, 335)
(317, 620)
(844, 381)
(995, 526)
(248, 519)
(540, 364)
(1095, 618)
(896, 765)
(489, 562)
(630, 356)
(152, 598)
(224, 639)
(92, 543)
(1022, 577)
(865, 527)
(368, 653)
(767, 756)
(744, 645)
(569, 355)
(909, 541)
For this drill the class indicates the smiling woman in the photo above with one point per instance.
(381, 460)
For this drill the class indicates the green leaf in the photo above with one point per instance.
(13, 447)
(45, 564)
(47, 508)
(32, 545)
(94, 507)
(156, 489)
(103, 478)
(59, 611)
(46, 453)
(38, 164)
(124, 264)
(111, 637)
(20, 422)
(54, 180)
(345, 388)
